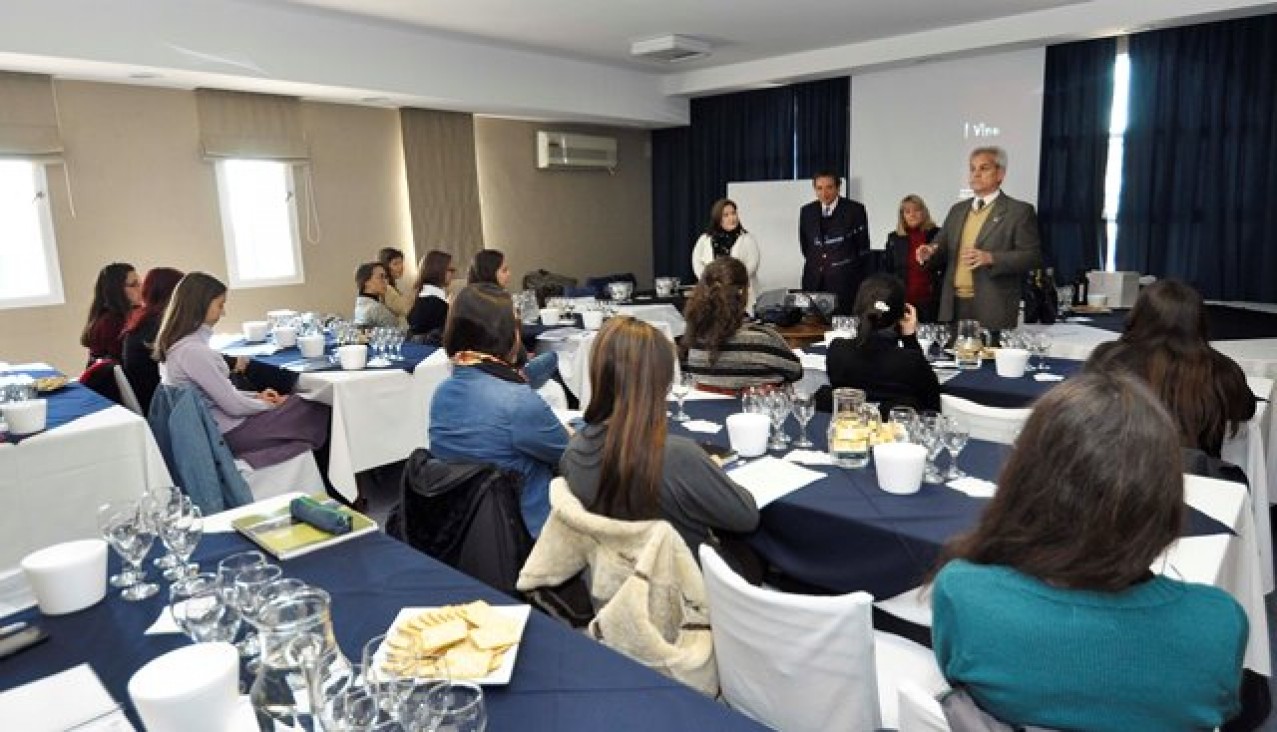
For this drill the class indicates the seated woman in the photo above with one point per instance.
(263, 428)
(371, 281)
(884, 359)
(486, 411)
(914, 228)
(430, 310)
(117, 292)
(623, 465)
(1047, 613)
(719, 348)
(394, 299)
(1165, 344)
(140, 331)
(489, 266)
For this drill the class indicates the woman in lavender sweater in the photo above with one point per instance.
(261, 428)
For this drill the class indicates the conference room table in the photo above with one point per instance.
(843, 533)
(51, 483)
(562, 679)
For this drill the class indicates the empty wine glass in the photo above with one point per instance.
(133, 537)
(926, 337)
(109, 514)
(931, 430)
(181, 533)
(680, 388)
(955, 438)
(156, 505)
(777, 409)
(751, 400)
(454, 707)
(227, 572)
(803, 405)
(1040, 346)
(903, 419)
(201, 610)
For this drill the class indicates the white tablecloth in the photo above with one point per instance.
(51, 484)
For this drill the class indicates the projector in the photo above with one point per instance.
(670, 48)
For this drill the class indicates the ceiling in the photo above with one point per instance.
(739, 30)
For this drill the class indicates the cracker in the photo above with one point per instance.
(442, 635)
(498, 633)
(468, 662)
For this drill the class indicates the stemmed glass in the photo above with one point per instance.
(109, 514)
(955, 438)
(931, 431)
(133, 535)
(777, 409)
(228, 571)
(903, 418)
(180, 534)
(1040, 345)
(752, 400)
(156, 505)
(455, 707)
(803, 405)
(201, 610)
(926, 334)
(680, 388)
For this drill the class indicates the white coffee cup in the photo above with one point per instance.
(550, 316)
(353, 357)
(67, 577)
(311, 346)
(255, 330)
(748, 433)
(26, 417)
(1010, 362)
(592, 319)
(1097, 301)
(900, 466)
(285, 336)
(191, 689)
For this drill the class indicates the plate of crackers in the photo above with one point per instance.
(477, 641)
(47, 384)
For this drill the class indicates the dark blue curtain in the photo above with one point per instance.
(822, 115)
(1199, 179)
(1077, 97)
(674, 220)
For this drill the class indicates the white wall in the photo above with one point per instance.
(769, 211)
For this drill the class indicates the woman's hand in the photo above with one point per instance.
(271, 397)
(909, 323)
(924, 252)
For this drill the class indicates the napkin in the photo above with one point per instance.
(253, 349)
(974, 487)
(812, 361)
(769, 478)
(1048, 377)
(809, 457)
(163, 624)
(72, 699)
(309, 511)
(1079, 319)
(703, 425)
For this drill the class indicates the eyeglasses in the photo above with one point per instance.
(132, 284)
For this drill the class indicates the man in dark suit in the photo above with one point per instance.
(985, 248)
(833, 232)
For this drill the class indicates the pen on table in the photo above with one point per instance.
(12, 628)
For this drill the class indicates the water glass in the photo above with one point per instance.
(201, 610)
(1040, 346)
(227, 573)
(803, 405)
(680, 388)
(931, 430)
(180, 534)
(132, 536)
(902, 419)
(454, 707)
(777, 409)
(109, 514)
(955, 438)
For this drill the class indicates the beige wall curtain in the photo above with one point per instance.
(28, 117)
(243, 125)
(443, 183)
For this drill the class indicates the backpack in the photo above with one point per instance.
(547, 284)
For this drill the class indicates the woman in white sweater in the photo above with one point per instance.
(725, 237)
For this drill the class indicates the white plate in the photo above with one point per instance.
(500, 677)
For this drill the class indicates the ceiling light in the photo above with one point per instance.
(670, 48)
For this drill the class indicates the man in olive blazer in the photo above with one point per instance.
(1006, 248)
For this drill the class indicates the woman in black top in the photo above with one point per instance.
(430, 308)
(914, 228)
(140, 331)
(884, 359)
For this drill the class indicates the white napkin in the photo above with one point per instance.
(944, 364)
(163, 624)
(974, 487)
(769, 478)
(1079, 319)
(703, 425)
(809, 457)
(71, 699)
(1048, 377)
(696, 395)
(251, 349)
(812, 361)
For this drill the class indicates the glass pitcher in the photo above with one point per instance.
(849, 429)
(969, 339)
(296, 633)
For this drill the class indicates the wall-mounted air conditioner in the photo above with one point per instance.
(570, 151)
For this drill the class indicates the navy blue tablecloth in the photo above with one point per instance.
(280, 370)
(64, 405)
(1223, 323)
(843, 533)
(984, 386)
(562, 679)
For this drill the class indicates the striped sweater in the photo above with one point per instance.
(756, 354)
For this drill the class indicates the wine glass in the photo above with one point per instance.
(109, 514)
(751, 400)
(1040, 346)
(777, 409)
(926, 336)
(227, 572)
(903, 419)
(156, 505)
(803, 405)
(931, 430)
(201, 610)
(456, 707)
(955, 438)
(680, 388)
(180, 534)
(133, 536)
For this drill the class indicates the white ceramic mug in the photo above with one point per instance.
(311, 346)
(67, 577)
(285, 336)
(1010, 362)
(592, 319)
(353, 357)
(748, 433)
(26, 417)
(1097, 301)
(550, 316)
(900, 466)
(255, 330)
(191, 689)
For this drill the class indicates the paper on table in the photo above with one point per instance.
(1048, 377)
(769, 478)
(163, 624)
(809, 457)
(696, 395)
(253, 349)
(1079, 319)
(812, 361)
(703, 425)
(74, 698)
(560, 334)
(974, 487)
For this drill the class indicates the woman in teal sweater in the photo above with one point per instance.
(1048, 613)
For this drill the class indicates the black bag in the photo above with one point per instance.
(547, 284)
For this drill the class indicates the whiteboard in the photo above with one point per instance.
(769, 211)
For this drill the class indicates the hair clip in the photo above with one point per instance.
(881, 306)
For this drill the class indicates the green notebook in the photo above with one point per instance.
(284, 537)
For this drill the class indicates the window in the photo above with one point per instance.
(29, 273)
(1113, 169)
(259, 222)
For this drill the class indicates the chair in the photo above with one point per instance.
(193, 448)
(127, 396)
(919, 711)
(100, 377)
(804, 662)
(996, 424)
(298, 473)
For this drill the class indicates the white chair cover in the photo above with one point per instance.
(127, 395)
(919, 711)
(996, 424)
(300, 473)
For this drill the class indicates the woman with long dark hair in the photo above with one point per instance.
(393, 298)
(726, 236)
(721, 349)
(625, 466)
(884, 359)
(263, 428)
(371, 282)
(142, 328)
(430, 310)
(914, 228)
(116, 293)
(1165, 344)
(1047, 613)
(489, 266)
